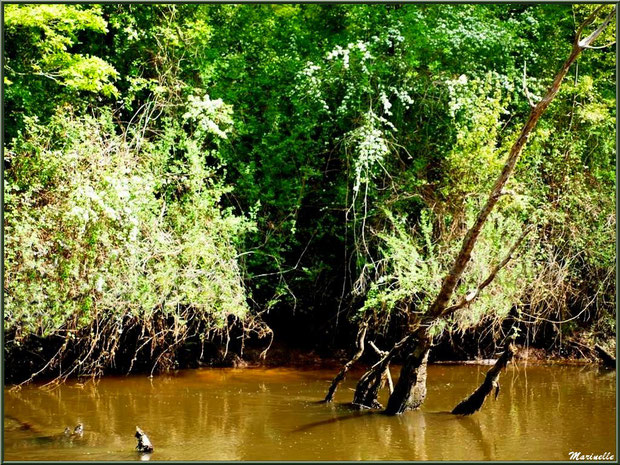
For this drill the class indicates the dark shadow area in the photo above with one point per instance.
(358, 414)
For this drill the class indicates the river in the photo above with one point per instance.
(542, 413)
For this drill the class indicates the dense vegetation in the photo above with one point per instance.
(177, 175)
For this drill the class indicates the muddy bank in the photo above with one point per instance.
(21, 364)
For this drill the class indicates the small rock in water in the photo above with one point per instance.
(144, 444)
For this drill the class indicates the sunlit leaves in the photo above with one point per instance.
(91, 234)
(53, 31)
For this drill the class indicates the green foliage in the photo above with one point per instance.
(42, 59)
(96, 226)
(413, 267)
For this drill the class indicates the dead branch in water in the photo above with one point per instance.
(474, 402)
(361, 336)
(144, 444)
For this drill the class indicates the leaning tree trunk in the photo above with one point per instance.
(474, 402)
(413, 371)
(369, 385)
(418, 391)
(410, 389)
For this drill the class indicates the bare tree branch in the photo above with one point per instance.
(587, 22)
(599, 47)
(597, 32)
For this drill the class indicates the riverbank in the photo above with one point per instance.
(20, 366)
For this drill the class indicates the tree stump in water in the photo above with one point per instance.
(418, 391)
(410, 389)
(474, 402)
(144, 444)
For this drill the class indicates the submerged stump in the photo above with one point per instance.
(144, 444)
(474, 402)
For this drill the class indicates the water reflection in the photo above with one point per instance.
(542, 412)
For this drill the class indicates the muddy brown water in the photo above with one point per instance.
(543, 412)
